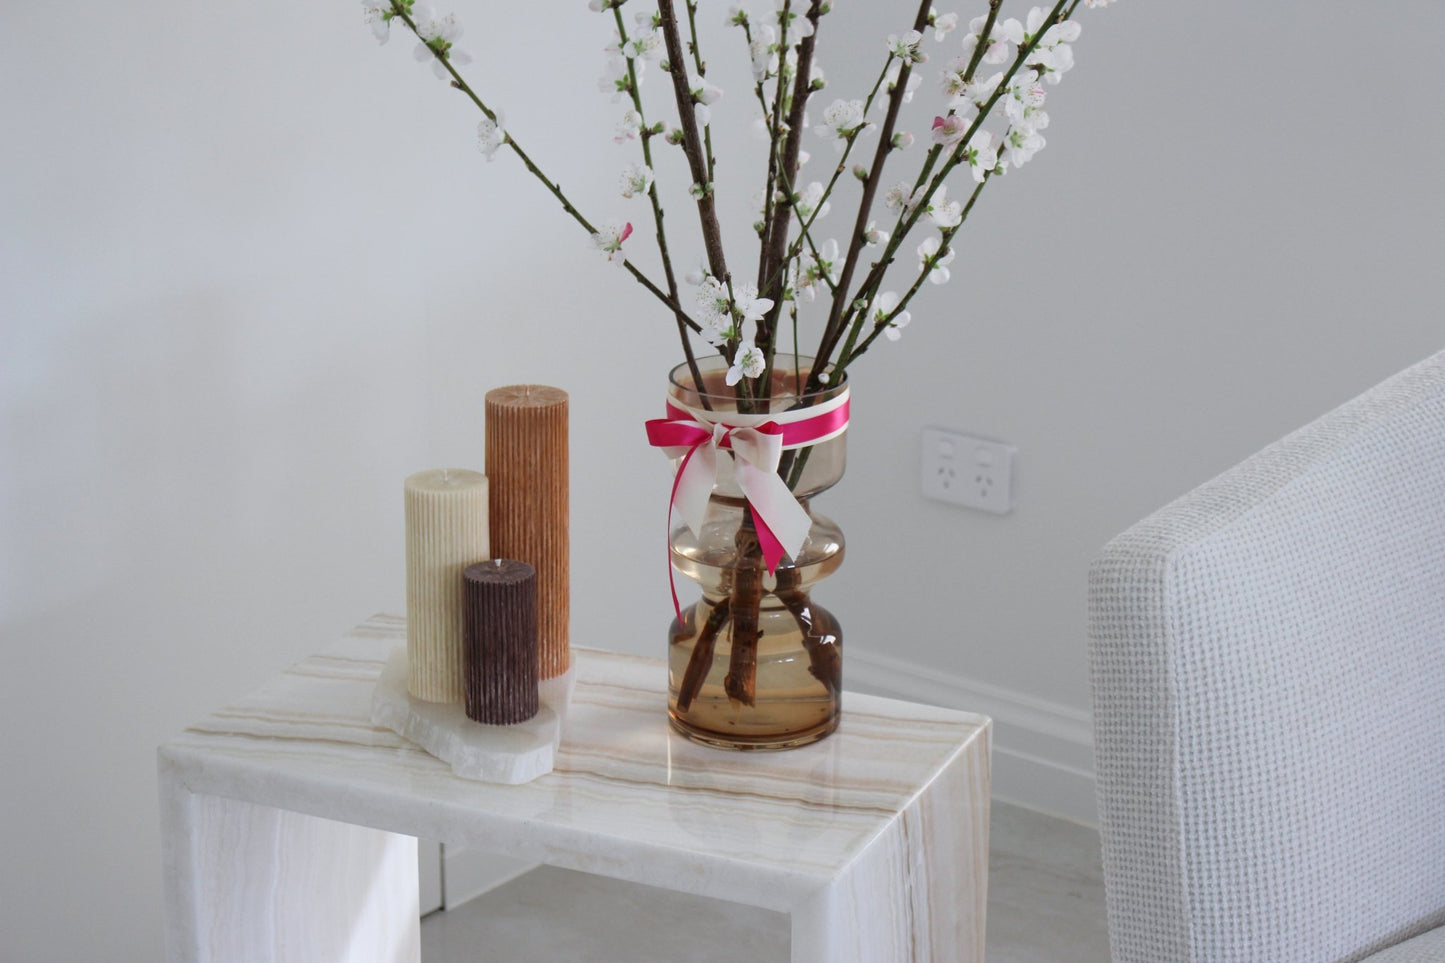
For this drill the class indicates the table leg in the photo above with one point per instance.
(919, 891)
(253, 884)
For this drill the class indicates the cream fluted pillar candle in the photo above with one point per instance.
(528, 469)
(446, 530)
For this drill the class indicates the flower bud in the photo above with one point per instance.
(860, 172)
(902, 140)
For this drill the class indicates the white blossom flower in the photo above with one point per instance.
(891, 78)
(748, 304)
(1065, 31)
(809, 201)
(943, 212)
(949, 130)
(1020, 146)
(842, 120)
(942, 24)
(952, 84)
(628, 128)
(1003, 39)
(897, 197)
(616, 80)
(980, 91)
(764, 51)
(438, 41)
(797, 25)
(609, 241)
(378, 13)
(704, 94)
(928, 254)
(636, 179)
(981, 155)
(1053, 61)
(717, 331)
(905, 47)
(647, 45)
(747, 363)
(698, 274)
(873, 236)
(492, 134)
(1025, 100)
(1053, 55)
(713, 302)
(1091, 4)
(885, 305)
(815, 267)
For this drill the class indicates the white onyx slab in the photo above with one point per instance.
(875, 840)
(506, 754)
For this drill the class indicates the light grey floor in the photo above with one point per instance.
(1046, 905)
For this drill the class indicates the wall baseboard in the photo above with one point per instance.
(1042, 751)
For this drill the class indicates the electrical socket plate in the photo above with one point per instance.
(963, 470)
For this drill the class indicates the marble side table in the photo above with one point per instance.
(290, 821)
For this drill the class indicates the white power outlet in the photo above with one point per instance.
(963, 470)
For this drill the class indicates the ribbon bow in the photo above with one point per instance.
(781, 521)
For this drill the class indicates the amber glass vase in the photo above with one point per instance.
(756, 663)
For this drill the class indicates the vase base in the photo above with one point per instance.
(788, 740)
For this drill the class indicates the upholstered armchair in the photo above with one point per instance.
(1268, 667)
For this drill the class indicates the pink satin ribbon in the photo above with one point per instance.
(757, 443)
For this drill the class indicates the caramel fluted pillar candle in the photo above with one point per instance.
(527, 468)
(446, 530)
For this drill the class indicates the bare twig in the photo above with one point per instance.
(834, 328)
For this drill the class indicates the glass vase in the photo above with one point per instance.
(755, 663)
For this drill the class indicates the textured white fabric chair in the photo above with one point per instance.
(1268, 663)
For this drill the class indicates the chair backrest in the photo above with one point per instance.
(1268, 667)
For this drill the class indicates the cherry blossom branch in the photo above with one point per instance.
(776, 157)
(985, 36)
(701, 72)
(645, 136)
(848, 354)
(400, 13)
(834, 327)
(980, 48)
(777, 233)
(692, 146)
(806, 224)
(920, 204)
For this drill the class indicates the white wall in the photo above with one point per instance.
(253, 272)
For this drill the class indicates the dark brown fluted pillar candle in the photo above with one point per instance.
(499, 641)
(527, 474)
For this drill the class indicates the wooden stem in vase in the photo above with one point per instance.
(500, 641)
(527, 465)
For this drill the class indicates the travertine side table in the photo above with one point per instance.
(290, 821)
